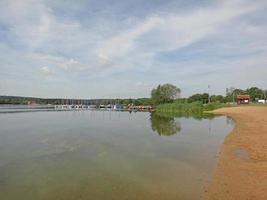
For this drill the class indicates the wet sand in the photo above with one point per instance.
(241, 173)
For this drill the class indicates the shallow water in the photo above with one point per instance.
(81, 155)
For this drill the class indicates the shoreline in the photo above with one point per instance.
(241, 171)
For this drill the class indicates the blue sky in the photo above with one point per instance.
(124, 48)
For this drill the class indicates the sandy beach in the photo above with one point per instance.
(241, 173)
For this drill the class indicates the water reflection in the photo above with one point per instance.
(230, 121)
(196, 116)
(106, 155)
(164, 125)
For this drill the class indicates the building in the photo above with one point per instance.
(243, 99)
(262, 101)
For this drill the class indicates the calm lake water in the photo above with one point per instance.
(104, 155)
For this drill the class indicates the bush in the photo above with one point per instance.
(189, 108)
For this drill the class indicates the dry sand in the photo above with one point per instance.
(241, 173)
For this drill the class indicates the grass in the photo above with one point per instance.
(195, 108)
(214, 106)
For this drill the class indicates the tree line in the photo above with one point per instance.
(57, 101)
(168, 93)
(162, 94)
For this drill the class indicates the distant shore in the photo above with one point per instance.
(241, 172)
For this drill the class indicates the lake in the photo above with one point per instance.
(105, 155)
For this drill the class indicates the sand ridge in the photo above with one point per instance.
(241, 173)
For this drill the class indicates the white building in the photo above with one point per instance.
(262, 101)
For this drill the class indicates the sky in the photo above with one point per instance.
(124, 48)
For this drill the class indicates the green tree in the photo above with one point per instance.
(127, 101)
(217, 98)
(137, 102)
(165, 93)
(231, 94)
(166, 126)
(255, 93)
(204, 98)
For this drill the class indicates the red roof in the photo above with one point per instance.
(241, 97)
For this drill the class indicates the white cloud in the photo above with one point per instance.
(33, 24)
(64, 43)
(123, 43)
(103, 59)
(36, 26)
(170, 32)
(60, 63)
(46, 71)
(142, 84)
